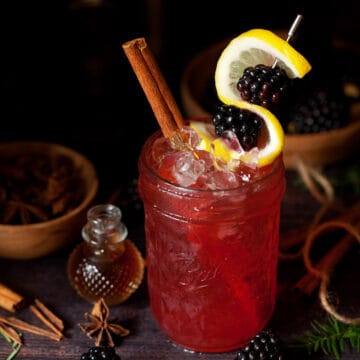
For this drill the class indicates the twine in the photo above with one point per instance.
(323, 295)
(308, 175)
(326, 197)
(324, 275)
(290, 256)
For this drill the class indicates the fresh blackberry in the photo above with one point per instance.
(100, 353)
(245, 124)
(265, 345)
(264, 85)
(317, 108)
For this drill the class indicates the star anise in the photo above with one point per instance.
(98, 326)
(15, 211)
(38, 187)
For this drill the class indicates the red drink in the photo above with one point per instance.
(211, 254)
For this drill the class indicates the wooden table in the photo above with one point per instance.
(46, 279)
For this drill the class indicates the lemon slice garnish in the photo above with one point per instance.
(253, 47)
(270, 140)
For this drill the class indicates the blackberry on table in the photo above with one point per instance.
(245, 124)
(264, 85)
(100, 353)
(318, 108)
(265, 345)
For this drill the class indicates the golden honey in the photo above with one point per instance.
(106, 264)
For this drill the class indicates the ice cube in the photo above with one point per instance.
(219, 180)
(187, 168)
(186, 139)
(232, 141)
(161, 149)
(190, 137)
(208, 159)
(251, 158)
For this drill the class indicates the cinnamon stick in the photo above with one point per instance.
(45, 320)
(49, 314)
(154, 85)
(25, 326)
(10, 300)
(309, 282)
(10, 333)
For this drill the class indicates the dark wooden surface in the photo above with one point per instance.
(46, 279)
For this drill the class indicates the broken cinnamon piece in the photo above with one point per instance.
(33, 329)
(10, 300)
(154, 85)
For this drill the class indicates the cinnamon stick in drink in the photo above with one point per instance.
(154, 85)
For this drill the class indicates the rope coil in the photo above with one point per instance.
(325, 196)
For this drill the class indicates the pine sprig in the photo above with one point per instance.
(330, 338)
(15, 347)
(345, 181)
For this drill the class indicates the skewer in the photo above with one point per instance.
(291, 33)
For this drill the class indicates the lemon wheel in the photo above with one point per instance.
(253, 47)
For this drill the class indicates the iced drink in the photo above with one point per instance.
(212, 193)
(211, 249)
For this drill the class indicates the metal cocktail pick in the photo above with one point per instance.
(291, 32)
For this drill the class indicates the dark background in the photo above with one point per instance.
(65, 78)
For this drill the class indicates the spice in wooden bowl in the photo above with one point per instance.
(45, 191)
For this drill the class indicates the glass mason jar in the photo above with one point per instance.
(212, 257)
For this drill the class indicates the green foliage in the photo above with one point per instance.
(345, 180)
(330, 338)
(15, 347)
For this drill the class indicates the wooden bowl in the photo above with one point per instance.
(315, 149)
(34, 240)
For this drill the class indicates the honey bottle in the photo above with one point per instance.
(106, 263)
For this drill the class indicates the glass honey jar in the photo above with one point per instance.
(106, 263)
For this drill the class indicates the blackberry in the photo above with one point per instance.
(265, 345)
(264, 85)
(100, 353)
(318, 108)
(245, 124)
